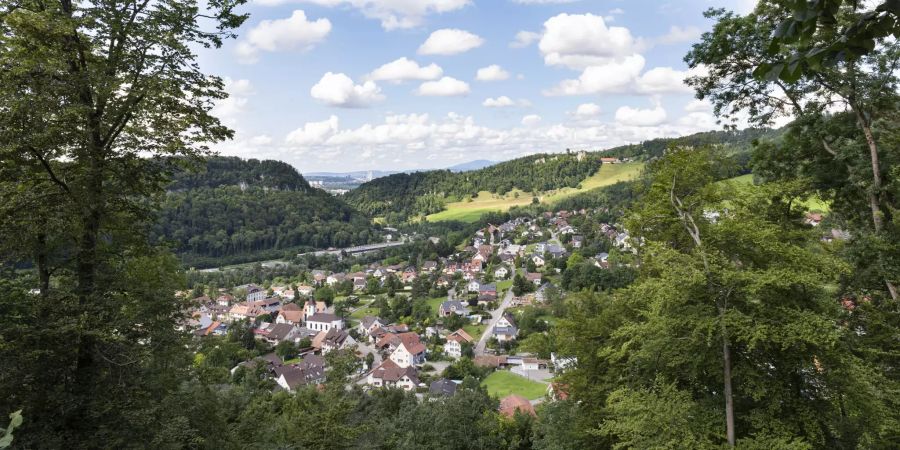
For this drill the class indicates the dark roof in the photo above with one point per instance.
(322, 317)
(442, 387)
(280, 331)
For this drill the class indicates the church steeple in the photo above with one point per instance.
(309, 310)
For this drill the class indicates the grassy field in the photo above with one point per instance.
(435, 304)
(470, 211)
(474, 330)
(504, 285)
(502, 383)
(363, 312)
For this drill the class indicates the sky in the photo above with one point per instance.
(343, 85)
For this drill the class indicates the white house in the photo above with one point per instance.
(409, 354)
(389, 374)
(538, 260)
(455, 341)
(501, 273)
(473, 286)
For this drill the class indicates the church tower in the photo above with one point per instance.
(309, 310)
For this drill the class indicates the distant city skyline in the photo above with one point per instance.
(350, 85)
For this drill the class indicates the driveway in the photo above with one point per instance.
(495, 316)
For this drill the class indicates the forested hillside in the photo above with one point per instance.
(422, 193)
(235, 210)
(734, 141)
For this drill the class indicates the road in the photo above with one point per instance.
(495, 316)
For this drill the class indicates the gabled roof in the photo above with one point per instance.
(442, 387)
(510, 404)
(460, 335)
(280, 331)
(391, 372)
(323, 317)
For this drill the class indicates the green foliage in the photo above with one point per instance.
(237, 210)
(423, 193)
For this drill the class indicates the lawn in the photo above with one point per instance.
(504, 285)
(502, 383)
(435, 304)
(474, 330)
(470, 211)
(363, 312)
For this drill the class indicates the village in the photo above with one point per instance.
(476, 311)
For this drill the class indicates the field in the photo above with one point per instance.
(470, 211)
(435, 304)
(502, 383)
(474, 330)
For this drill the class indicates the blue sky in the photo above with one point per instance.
(306, 87)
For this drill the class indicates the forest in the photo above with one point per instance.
(231, 210)
(421, 193)
(738, 325)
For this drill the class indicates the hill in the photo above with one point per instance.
(444, 195)
(403, 196)
(235, 210)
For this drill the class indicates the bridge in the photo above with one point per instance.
(358, 250)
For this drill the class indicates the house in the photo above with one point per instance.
(429, 266)
(534, 278)
(214, 328)
(556, 251)
(320, 321)
(473, 286)
(311, 370)
(610, 160)
(335, 278)
(333, 339)
(319, 277)
(280, 332)
(225, 300)
(285, 292)
(389, 374)
(455, 341)
(512, 404)
(442, 388)
(538, 260)
(359, 284)
(491, 361)
(290, 313)
(269, 304)
(533, 364)
(488, 290)
(305, 290)
(369, 323)
(505, 328)
(501, 273)
(558, 391)
(561, 363)
(451, 307)
(577, 241)
(243, 311)
(254, 292)
(409, 352)
(443, 281)
(408, 277)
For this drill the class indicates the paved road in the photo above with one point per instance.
(495, 316)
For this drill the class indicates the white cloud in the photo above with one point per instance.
(337, 89)
(499, 102)
(404, 69)
(313, 132)
(505, 102)
(450, 41)
(613, 77)
(634, 117)
(228, 109)
(616, 11)
(524, 39)
(261, 139)
(445, 87)
(393, 14)
(580, 40)
(697, 105)
(663, 80)
(491, 73)
(531, 120)
(587, 110)
(678, 35)
(407, 140)
(282, 34)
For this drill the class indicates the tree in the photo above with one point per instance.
(285, 349)
(841, 141)
(729, 315)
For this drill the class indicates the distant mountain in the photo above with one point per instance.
(235, 210)
(357, 175)
(471, 165)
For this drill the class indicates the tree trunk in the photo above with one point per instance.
(729, 397)
(875, 191)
